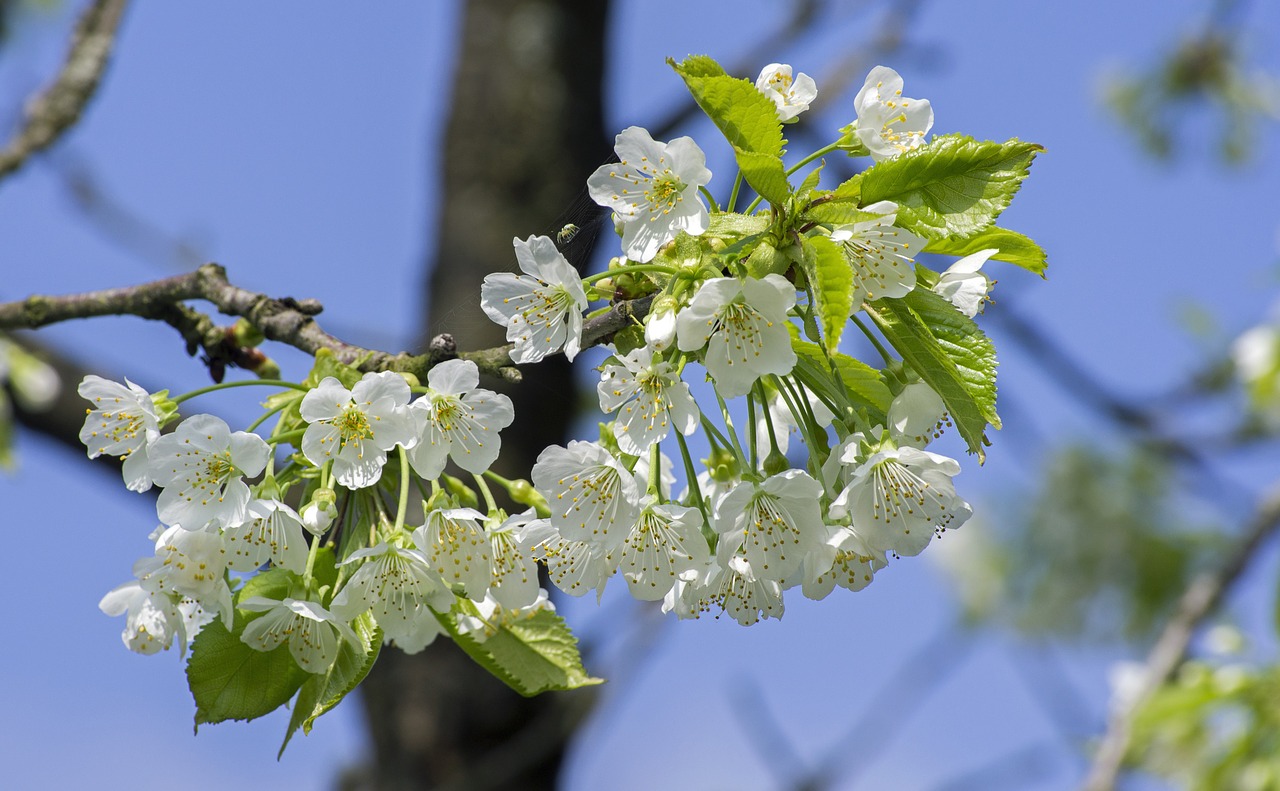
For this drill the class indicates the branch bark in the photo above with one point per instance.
(1200, 599)
(58, 107)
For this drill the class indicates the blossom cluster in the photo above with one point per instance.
(346, 522)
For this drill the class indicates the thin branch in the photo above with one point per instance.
(57, 109)
(287, 321)
(1199, 600)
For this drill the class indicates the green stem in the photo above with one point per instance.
(728, 426)
(275, 409)
(874, 340)
(691, 480)
(768, 418)
(751, 431)
(821, 152)
(403, 506)
(666, 270)
(311, 563)
(733, 195)
(711, 199)
(488, 495)
(714, 434)
(655, 471)
(244, 383)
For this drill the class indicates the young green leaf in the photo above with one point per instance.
(322, 691)
(1014, 248)
(950, 353)
(832, 282)
(231, 681)
(954, 187)
(748, 120)
(862, 382)
(532, 655)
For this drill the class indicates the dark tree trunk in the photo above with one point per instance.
(524, 133)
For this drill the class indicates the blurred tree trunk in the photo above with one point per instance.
(524, 133)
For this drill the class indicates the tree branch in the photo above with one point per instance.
(1199, 600)
(286, 321)
(57, 109)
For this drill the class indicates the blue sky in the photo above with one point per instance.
(293, 145)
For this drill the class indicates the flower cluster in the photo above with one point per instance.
(345, 525)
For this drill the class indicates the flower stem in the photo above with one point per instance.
(733, 195)
(655, 471)
(691, 480)
(242, 383)
(768, 418)
(488, 495)
(728, 425)
(666, 270)
(874, 340)
(403, 505)
(751, 430)
(275, 409)
(711, 199)
(821, 152)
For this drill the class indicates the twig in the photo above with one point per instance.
(1199, 600)
(286, 321)
(55, 110)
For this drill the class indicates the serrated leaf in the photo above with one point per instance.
(321, 692)
(532, 655)
(950, 353)
(732, 225)
(811, 180)
(954, 187)
(327, 364)
(748, 120)
(832, 282)
(231, 681)
(861, 381)
(1014, 248)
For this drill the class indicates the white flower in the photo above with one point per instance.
(311, 630)
(152, 617)
(457, 548)
(189, 563)
(317, 515)
(743, 324)
(541, 309)
(653, 190)
(400, 588)
(574, 566)
(792, 95)
(850, 565)
(898, 497)
(732, 584)
(202, 466)
(660, 324)
(591, 495)
(778, 521)
(964, 285)
(273, 531)
(459, 420)
(493, 616)
(355, 428)
(514, 581)
(888, 122)
(917, 415)
(650, 397)
(666, 541)
(880, 254)
(123, 422)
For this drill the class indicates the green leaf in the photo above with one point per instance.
(950, 353)
(730, 225)
(321, 692)
(766, 259)
(231, 681)
(832, 282)
(530, 655)
(954, 187)
(861, 381)
(840, 206)
(811, 180)
(748, 120)
(1014, 248)
(329, 365)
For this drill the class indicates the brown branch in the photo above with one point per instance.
(60, 105)
(286, 321)
(1199, 600)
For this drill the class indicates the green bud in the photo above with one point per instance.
(465, 495)
(521, 491)
(775, 463)
(411, 378)
(267, 369)
(245, 335)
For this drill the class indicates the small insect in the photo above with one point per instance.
(566, 234)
